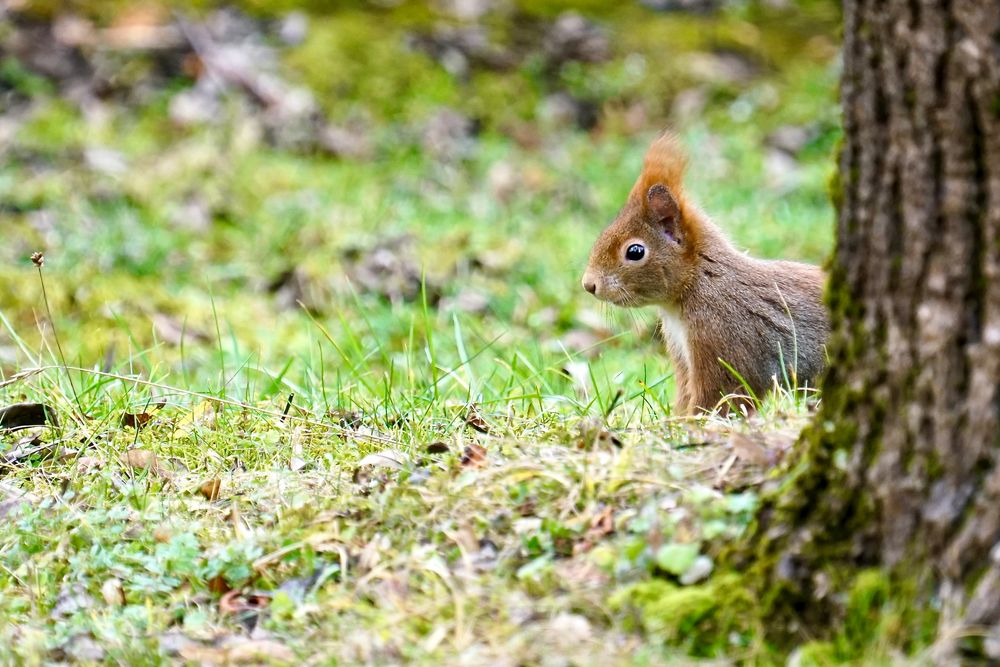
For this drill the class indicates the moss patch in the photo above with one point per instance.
(705, 620)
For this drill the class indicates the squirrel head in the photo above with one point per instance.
(647, 255)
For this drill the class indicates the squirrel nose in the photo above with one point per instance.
(590, 286)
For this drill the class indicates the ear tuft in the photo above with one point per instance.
(664, 212)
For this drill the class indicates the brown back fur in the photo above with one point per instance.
(764, 318)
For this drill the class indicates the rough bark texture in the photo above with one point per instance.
(901, 468)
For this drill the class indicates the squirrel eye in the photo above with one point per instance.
(635, 252)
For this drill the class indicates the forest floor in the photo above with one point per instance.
(357, 409)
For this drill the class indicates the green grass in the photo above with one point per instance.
(165, 285)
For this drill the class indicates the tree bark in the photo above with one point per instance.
(901, 469)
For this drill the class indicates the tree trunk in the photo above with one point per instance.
(901, 468)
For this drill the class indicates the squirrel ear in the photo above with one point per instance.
(664, 211)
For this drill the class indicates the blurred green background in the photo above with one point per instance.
(220, 187)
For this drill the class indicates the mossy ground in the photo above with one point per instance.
(215, 265)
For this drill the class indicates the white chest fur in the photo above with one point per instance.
(676, 334)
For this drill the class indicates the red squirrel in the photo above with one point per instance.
(765, 319)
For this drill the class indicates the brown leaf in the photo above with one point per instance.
(474, 456)
(238, 602)
(602, 524)
(113, 592)
(136, 421)
(437, 448)
(86, 464)
(580, 573)
(593, 433)
(346, 418)
(237, 650)
(219, 585)
(721, 477)
(173, 332)
(139, 420)
(527, 507)
(751, 451)
(211, 488)
(143, 459)
(26, 415)
(258, 651)
(475, 420)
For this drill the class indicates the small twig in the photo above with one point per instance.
(17, 377)
(38, 259)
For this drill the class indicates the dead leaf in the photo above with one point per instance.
(83, 648)
(720, 479)
(475, 420)
(387, 459)
(437, 448)
(392, 270)
(236, 601)
(256, 651)
(602, 524)
(31, 447)
(474, 456)
(527, 507)
(113, 592)
(219, 585)
(580, 573)
(751, 451)
(211, 488)
(136, 421)
(173, 642)
(237, 650)
(593, 433)
(86, 464)
(26, 415)
(298, 588)
(246, 608)
(175, 333)
(371, 553)
(203, 414)
(32, 437)
(12, 499)
(139, 420)
(72, 598)
(143, 459)
(346, 418)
